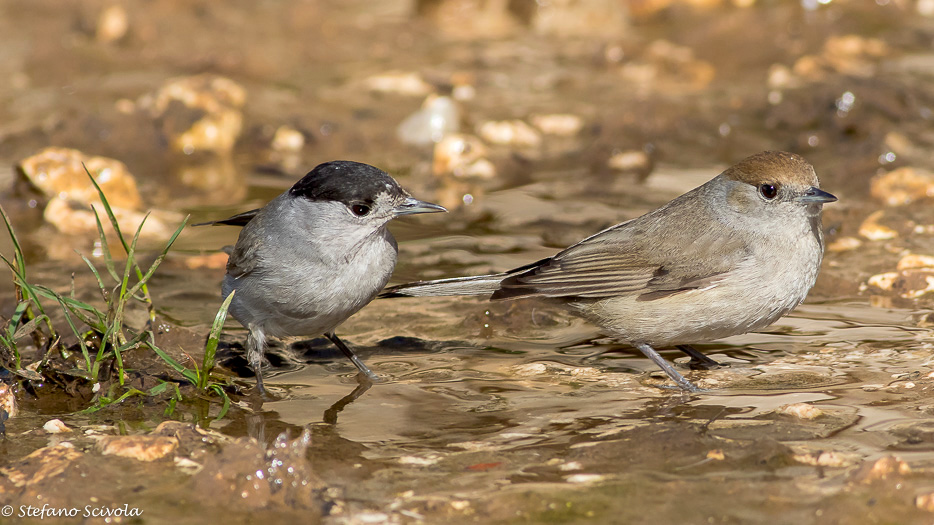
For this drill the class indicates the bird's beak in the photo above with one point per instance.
(816, 196)
(412, 206)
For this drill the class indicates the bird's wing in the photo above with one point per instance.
(240, 219)
(242, 261)
(245, 256)
(629, 260)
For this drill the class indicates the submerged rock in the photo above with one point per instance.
(845, 54)
(59, 173)
(914, 260)
(197, 113)
(438, 117)
(462, 156)
(558, 124)
(902, 186)
(112, 24)
(42, 465)
(8, 406)
(515, 133)
(142, 448)
(407, 83)
(589, 18)
(872, 230)
(55, 426)
(883, 468)
(908, 284)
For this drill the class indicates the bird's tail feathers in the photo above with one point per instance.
(479, 285)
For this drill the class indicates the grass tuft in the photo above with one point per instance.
(102, 334)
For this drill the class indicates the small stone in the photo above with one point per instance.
(716, 454)
(530, 369)
(142, 448)
(558, 124)
(872, 230)
(914, 261)
(417, 461)
(8, 406)
(844, 244)
(42, 464)
(568, 18)
(824, 459)
(514, 133)
(902, 186)
(59, 172)
(908, 284)
(112, 24)
(55, 426)
(437, 118)
(781, 77)
(370, 517)
(407, 83)
(630, 160)
(801, 411)
(881, 469)
(198, 113)
(288, 139)
(72, 218)
(585, 478)
(462, 156)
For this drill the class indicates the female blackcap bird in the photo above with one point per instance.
(728, 257)
(315, 255)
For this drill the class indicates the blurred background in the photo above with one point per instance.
(537, 123)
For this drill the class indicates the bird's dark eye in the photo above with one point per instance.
(769, 191)
(360, 209)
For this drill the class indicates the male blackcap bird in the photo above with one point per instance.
(315, 255)
(726, 258)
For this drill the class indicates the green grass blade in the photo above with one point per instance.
(17, 249)
(100, 282)
(78, 335)
(107, 209)
(190, 375)
(105, 402)
(16, 318)
(105, 248)
(77, 308)
(226, 400)
(152, 269)
(29, 294)
(210, 348)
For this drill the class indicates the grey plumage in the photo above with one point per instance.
(315, 255)
(723, 259)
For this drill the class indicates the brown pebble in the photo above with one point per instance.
(142, 448)
(883, 468)
(902, 186)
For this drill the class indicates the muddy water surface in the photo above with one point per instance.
(509, 412)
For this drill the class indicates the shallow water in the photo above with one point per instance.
(516, 411)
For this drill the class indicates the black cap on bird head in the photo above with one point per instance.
(345, 181)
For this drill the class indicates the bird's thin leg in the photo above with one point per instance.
(664, 365)
(255, 347)
(353, 357)
(699, 361)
